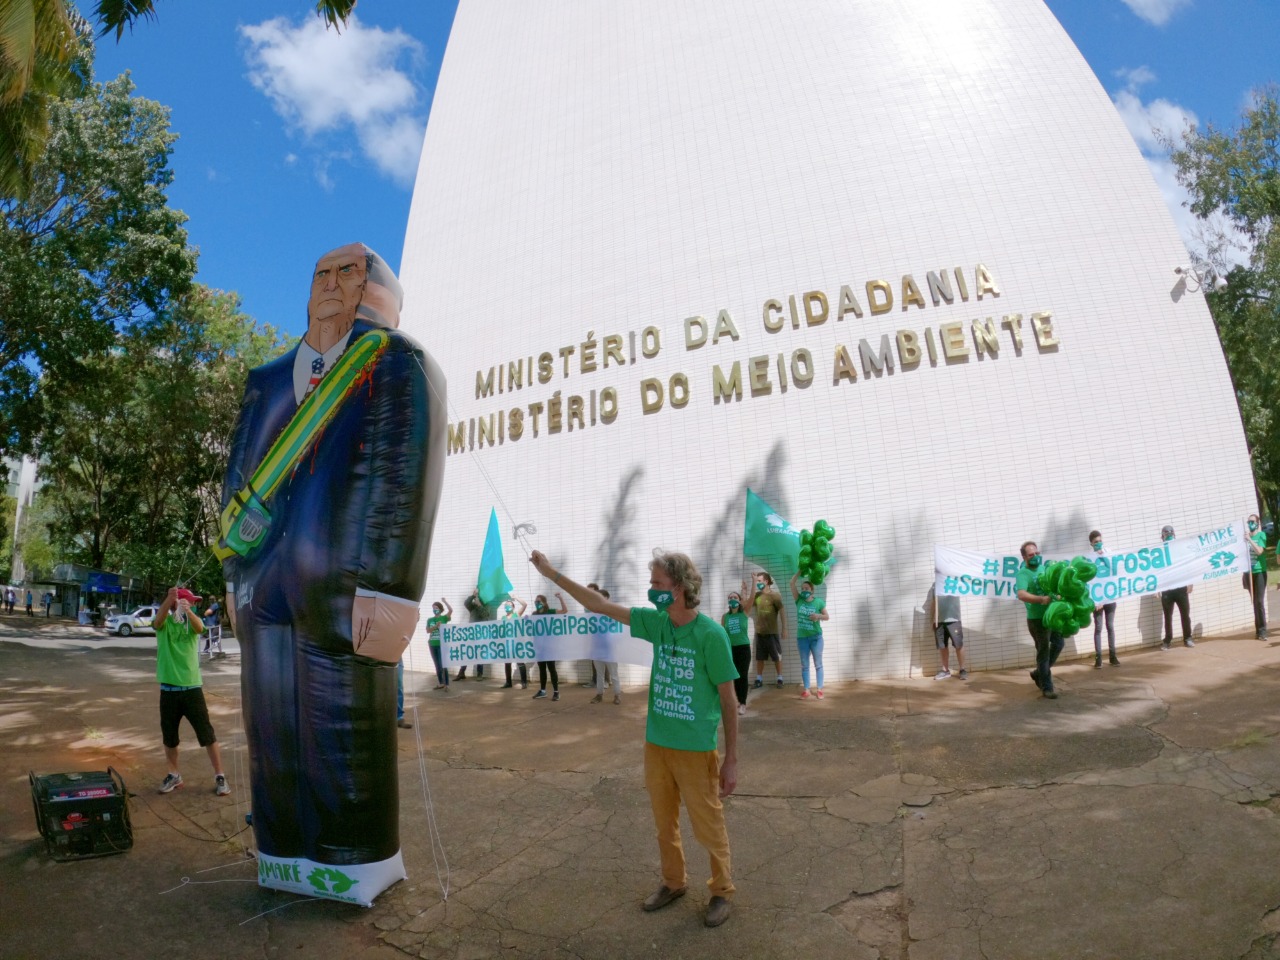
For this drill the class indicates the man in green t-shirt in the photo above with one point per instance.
(181, 689)
(690, 693)
(1048, 644)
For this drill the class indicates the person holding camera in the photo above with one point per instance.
(181, 688)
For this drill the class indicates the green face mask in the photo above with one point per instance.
(1097, 547)
(661, 598)
(1033, 561)
(760, 587)
(1252, 526)
(806, 595)
(733, 604)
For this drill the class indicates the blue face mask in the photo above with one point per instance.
(760, 587)
(661, 598)
(1097, 547)
(806, 595)
(1252, 526)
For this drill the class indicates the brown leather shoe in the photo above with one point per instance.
(404, 724)
(661, 897)
(717, 911)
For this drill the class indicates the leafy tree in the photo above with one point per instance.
(1235, 175)
(8, 510)
(91, 253)
(38, 555)
(133, 451)
(45, 51)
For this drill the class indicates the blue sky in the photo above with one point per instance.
(295, 140)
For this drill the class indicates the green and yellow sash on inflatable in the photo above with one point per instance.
(246, 520)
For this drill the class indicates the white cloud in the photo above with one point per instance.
(1137, 77)
(328, 85)
(1157, 12)
(1148, 123)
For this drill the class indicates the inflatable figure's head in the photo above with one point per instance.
(349, 282)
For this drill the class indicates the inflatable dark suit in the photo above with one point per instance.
(328, 506)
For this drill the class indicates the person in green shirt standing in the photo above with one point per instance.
(690, 693)
(441, 612)
(181, 689)
(810, 612)
(735, 621)
(1258, 575)
(1048, 644)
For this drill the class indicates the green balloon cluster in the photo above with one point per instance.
(1065, 581)
(816, 551)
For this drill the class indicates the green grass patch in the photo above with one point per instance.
(1250, 739)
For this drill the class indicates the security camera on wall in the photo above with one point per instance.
(1219, 283)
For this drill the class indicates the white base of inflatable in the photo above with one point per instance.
(358, 883)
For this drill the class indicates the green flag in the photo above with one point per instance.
(492, 582)
(767, 536)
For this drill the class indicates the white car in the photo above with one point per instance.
(127, 624)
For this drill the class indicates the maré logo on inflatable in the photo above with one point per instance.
(329, 880)
(288, 872)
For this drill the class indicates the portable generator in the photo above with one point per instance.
(82, 815)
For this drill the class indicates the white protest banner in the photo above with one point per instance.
(557, 636)
(1123, 574)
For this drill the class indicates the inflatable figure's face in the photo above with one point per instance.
(337, 286)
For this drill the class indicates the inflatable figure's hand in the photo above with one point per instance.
(381, 625)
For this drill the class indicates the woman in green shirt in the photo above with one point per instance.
(542, 608)
(735, 622)
(441, 612)
(1258, 575)
(810, 612)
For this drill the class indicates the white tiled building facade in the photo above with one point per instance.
(598, 170)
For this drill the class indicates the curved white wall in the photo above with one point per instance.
(594, 169)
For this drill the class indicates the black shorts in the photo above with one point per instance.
(768, 647)
(951, 629)
(176, 704)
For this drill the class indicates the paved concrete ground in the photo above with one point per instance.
(1133, 818)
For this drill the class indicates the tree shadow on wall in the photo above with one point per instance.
(718, 550)
(876, 634)
(614, 562)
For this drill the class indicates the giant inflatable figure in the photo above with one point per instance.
(328, 506)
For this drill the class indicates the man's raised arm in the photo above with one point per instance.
(590, 599)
